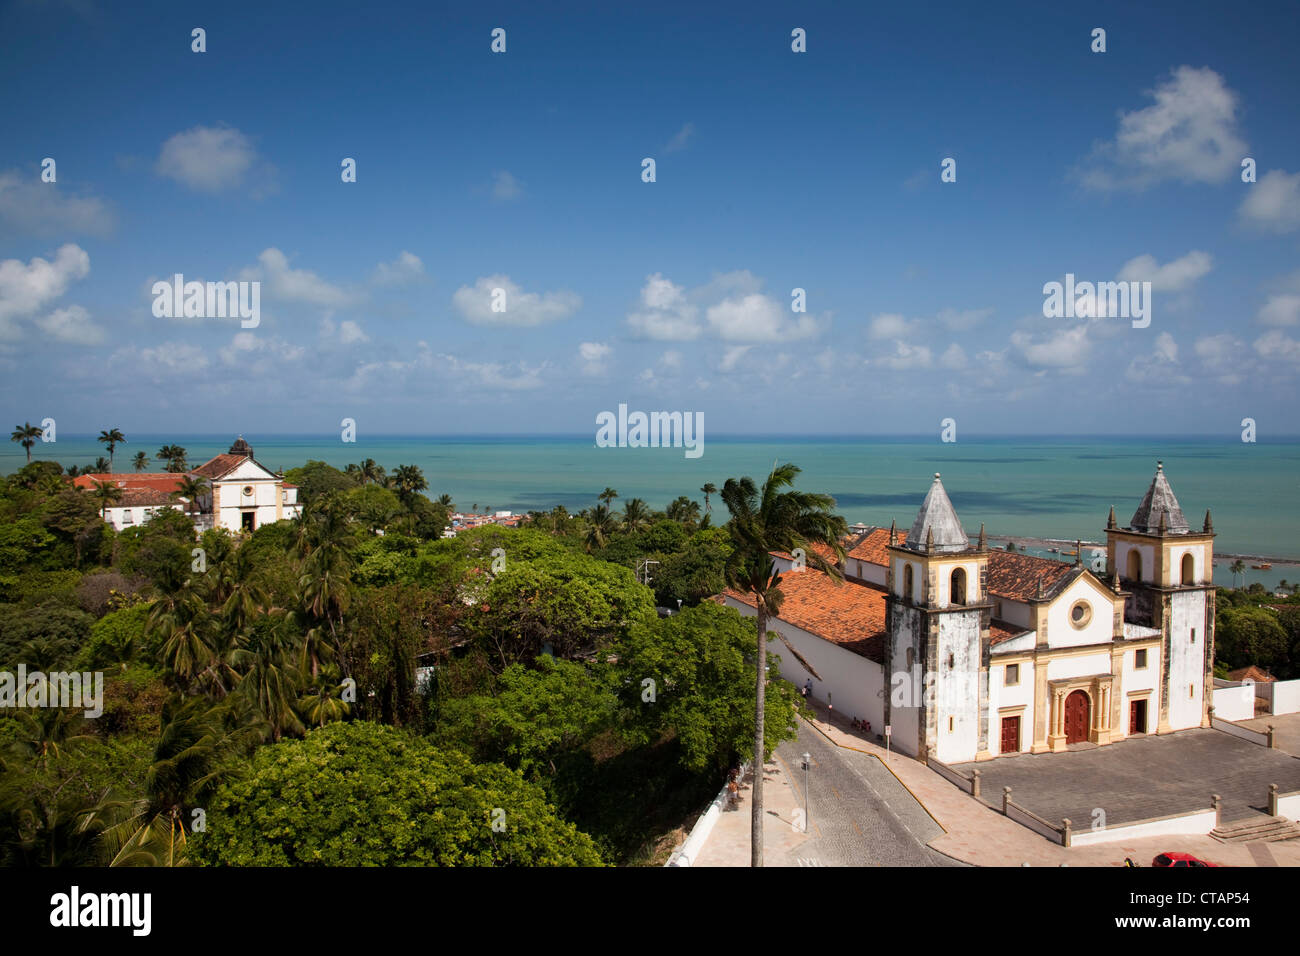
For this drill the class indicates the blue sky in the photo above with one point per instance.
(775, 170)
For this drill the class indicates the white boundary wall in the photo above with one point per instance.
(1188, 824)
(1233, 700)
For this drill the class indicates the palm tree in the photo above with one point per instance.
(447, 502)
(600, 527)
(141, 461)
(683, 510)
(608, 495)
(26, 434)
(1238, 567)
(193, 755)
(773, 520)
(635, 515)
(112, 438)
(709, 488)
(174, 455)
(102, 466)
(191, 489)
(370, 471)
(106, 493)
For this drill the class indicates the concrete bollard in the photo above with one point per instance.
(975, 783)
(1006, 798)
(1271, 743)
(1272, 799)
(1216, 804)
(1065, 832)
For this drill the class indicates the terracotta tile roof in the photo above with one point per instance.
(1257, 674)
(850, 615)
(824, 550)
(1000, 631)
(220, 466)
(1016, 576)
(156, 481)
(873, 547)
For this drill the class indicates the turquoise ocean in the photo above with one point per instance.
(1041, 487)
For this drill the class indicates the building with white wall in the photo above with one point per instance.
(242, 494)
(967, 653)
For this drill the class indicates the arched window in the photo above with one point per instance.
(1189, 570)
(907, 581)
(1134, 566)
(958, 586)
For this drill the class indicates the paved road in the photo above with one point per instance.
(860, 814)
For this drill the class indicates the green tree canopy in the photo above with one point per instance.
(364, 794)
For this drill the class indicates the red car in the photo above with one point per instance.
(1179, 859)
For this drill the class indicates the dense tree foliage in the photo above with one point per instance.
(366, 794)
(503, 663)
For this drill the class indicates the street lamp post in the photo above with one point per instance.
(807, 762)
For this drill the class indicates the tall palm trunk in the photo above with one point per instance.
(756, 797)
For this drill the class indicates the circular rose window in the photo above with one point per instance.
(1080, 614)
(248, 489)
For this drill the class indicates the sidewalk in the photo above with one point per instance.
(728, 844)
(979, 835)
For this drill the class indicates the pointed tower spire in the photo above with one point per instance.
(937, 522)
(1114, 579)
(893, 533)
(1040, 587)
(1078, 552)
(983, 543)
(1209, 525)
(1110, 522)
(1159, 506)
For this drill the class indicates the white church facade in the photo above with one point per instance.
(969, 653)
(242, 494)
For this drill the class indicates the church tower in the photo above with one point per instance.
(937, 627)
(1167, 570)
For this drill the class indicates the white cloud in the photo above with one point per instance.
(733, 355)
(680, 139)
(889, 325)
(1283, 309)
(31, 207)
(505, 187)
(1160, 368)
(757, 318)
(906, 356)
(165, 360)
(521, 308)
(666, 314)
(1188, 134)
(346, 332)
(404, 268)
(593, 356)
(1278, 345)
(293, 285)
(669, 314)
(1223, 357)
(1273, 203)
(494, 375)
(72, 325)
(246, 345)
(25, 289)
(1173, 276)
(207, 158)
(672, 359)
(953, 357)
(1066, 350)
